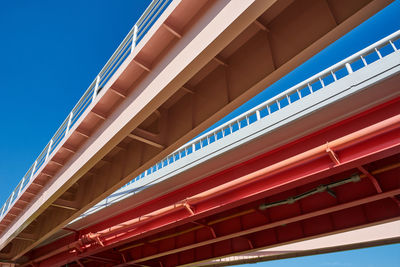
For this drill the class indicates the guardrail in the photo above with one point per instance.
(361, 59)
(345, 67)
(141, 27)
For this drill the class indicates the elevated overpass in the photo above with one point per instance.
(319, 158)
(161, 88)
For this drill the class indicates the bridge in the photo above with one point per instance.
(317, 159)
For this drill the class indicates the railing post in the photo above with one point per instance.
(231, 126)
(33, 170)
(69, 123)
(379, 53)
(6, 205)
(322, 82)
(11, 199)
(288, 99)
(21, 185)
(258, 115)
(134, 36)
(310, 88)
(363, 60)
(298, 93)
(48, 149)
(333, 75)
(278, 103)
(2, 210)
(348, 68)
(393, 46)
(96, 87)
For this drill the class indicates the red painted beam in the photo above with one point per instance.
(374, 142)
(280, 223)
(327, 216)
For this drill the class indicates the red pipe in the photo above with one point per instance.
(366, 133)
(322, 150)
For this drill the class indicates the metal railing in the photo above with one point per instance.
(138, 31)
(361, 59)
(345, 67)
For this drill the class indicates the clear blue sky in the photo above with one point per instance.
(383, 256)
(52, 50)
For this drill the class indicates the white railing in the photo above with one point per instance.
(363, 58)
(320, 80)
(141, 27)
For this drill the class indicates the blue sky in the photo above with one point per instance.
(383, 256)
(51, 51)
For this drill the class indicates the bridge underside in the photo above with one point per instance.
(340, 178)
(110, 146)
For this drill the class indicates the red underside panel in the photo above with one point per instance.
(221, 224)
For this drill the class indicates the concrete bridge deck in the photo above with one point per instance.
(157, 92)
(360, 96)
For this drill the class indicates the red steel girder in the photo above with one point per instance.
(366, 150)
(317, 216)
(248, 229)
(333, 215)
